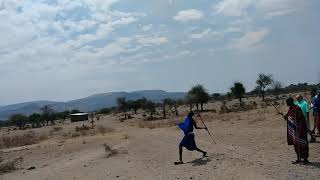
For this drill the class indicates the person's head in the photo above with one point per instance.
(290, 101)
(299, 97)
(313, 92)
(190, 114)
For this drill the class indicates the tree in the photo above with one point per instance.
(46, 113)
(166, 101)
(263, 81)
(176, 104)
(200, 95)
(190, 99)
(216, 97)
(122, 105)
(150, 107)
(276, 87)
(35, 118)
(134, 104)
(19, 120)
(143, 102)
(105, 110)
(238, 90)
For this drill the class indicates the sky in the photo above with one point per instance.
(68, 49)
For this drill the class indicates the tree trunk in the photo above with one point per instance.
(262, 93)
(197, 106)
(164, 111)
(176, 110)
(201, 105)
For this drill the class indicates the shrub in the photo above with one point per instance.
(103, 130)
(9, 166)
(21, 140)
(113, 151)
(82, 128)
(55, 129)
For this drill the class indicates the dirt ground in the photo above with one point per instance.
(250, 145)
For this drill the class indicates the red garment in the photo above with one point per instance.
(297, 131)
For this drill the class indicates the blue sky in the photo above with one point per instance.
(63, 49)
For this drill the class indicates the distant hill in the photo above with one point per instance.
(91, 103)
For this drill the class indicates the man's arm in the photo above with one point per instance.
(195, 125)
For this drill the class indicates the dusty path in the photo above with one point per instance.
(248, 147)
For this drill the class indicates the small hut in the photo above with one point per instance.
(79, 117)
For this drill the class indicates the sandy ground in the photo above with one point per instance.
(250, 145)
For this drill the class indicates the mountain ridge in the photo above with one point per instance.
(90, 103)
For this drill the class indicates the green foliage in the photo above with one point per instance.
(19, 120)
(134, 105)
(35, 118)
(276, 87)
(238, 90)
(198, 95)
(105, 111)
(263, 81)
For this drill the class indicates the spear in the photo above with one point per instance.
(205, 126)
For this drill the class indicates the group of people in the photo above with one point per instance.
(298, 127)
(298, 124)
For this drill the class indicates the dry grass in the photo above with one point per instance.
(103, 130)
(21, 140)
(56, 128)
(159, 123)
(82, 128)
(10, 165)
(113, 151)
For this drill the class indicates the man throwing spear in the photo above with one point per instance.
(297, 131)
(188, 140)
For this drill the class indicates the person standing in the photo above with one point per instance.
(314, 111)
(297, 131)
(304, 105)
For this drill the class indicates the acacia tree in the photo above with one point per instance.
(238, 90)
(122, 105)
(169, 102)
(47, 114)
(151, 107)
(190, 99)
(176, 104)
(263, 81)
(134, 105)
(19, 120)
(200, 95)
(35, 119)
(276, 87)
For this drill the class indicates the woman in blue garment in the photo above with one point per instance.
(188, 140)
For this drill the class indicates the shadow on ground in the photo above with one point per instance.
(314, 164)
(200, 161)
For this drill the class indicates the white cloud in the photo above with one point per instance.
(267, 8)
(250, 39)
(201, 34)
(233, 7)
(188, 15)
(147, 41)
(147, 27)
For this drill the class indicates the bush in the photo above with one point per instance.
(82, 128)
(21, 140)
(9, 166)
(103, 130)
(113, 151)
(56, 128)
